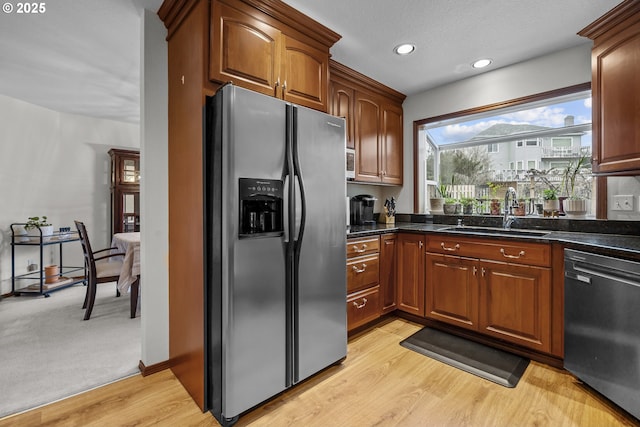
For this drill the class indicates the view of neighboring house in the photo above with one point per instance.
(510, 160)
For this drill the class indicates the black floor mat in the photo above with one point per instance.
(492, 364)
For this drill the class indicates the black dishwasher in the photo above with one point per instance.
(602, 325)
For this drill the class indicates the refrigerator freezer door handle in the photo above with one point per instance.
(298, 176)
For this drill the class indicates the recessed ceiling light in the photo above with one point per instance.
(404, 49)
(481, 63)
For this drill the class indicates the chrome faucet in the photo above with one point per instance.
(510, 201)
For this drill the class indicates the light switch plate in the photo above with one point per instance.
(622, 203)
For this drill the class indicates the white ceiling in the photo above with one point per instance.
(83, 57)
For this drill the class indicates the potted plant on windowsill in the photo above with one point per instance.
(551, 202)
(468, 204)
(442, 193)
(451, 206)
(495, 203)
(575, 206)
(37, 227)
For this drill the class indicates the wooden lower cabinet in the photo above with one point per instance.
(510, 301)
(363, 281)
(371, 278)
(363, 307)
(452, 290)
(388, 271)
(515, 304)
(410, 277)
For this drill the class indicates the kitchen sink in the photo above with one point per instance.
(496, 231)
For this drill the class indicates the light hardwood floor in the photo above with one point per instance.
(379, 384)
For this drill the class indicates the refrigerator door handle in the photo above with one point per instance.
(285, 212)
(298, 177)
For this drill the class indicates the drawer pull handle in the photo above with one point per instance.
(359, 306)
(364, 248)
(357, 270)
(520, 254)
(453, 249)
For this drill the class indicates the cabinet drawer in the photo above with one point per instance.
(512, 251)
(363, 246)
(363, 307)
(363, 272)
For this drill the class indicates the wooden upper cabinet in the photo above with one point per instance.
(367, 143)
(391, 144)
(374, 124)
(244, 50)
(342, 102)
(255, 50)
(305, 74)
(615, 77)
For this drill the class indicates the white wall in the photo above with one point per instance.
(557, 70)
(55, 164)
(154, 248)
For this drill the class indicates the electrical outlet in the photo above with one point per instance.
(622, 203)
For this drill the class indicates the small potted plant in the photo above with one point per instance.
(495, 205)
(551, 202)
(451, 206)
(437, 201)
(442, 193)
(521, 209)
(37, 227)
(575, 206)
(468, 204)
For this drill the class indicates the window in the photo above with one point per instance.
(530, 139)
(528, 143)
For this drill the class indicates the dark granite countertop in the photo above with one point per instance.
(621, 245)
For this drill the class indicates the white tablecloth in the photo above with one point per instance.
(129, 243)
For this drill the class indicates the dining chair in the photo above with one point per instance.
(100, 269)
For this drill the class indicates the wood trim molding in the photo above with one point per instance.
(152, 369)
(416, 165)
(601, 191)
(296, 19)
(336, 69)
(173, 12)
(510, 103)
(625, 10)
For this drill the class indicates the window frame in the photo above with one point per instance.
(418, 188)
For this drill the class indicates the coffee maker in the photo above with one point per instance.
(361, 208)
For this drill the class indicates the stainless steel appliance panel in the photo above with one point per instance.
(254, 318)
(602, 325)
(320, 323)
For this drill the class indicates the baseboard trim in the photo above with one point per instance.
(152, 369)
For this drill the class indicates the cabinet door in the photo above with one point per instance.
(128, 170)
(367, 119)
(411, 273)
(244, 50)
(391, 144)
(304, 76)
(452, 290)
(342, 102)
(388, 268)
(616, 114)
(515, 304)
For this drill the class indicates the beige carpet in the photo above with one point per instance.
(47, 352)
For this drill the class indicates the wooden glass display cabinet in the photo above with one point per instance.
(125, 190)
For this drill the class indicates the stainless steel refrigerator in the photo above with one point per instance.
(275, 245)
